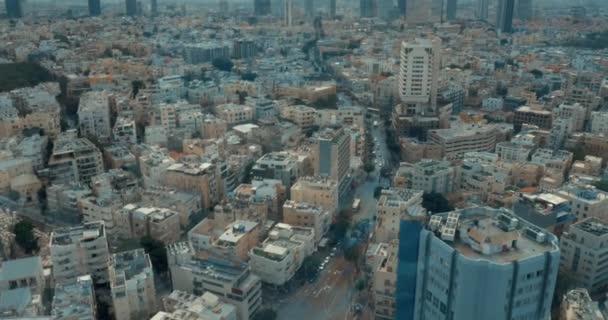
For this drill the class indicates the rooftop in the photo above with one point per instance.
(496, 235)
(236, 231)
(20, 268)
(84, 232)
(131, 264)
(75, 300)
(593, 226)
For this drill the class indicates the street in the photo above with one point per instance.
(331, 296)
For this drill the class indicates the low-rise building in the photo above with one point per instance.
(75, 300)
(79, 251)
(200, 179)
(22, 273)
(302, 116)
(180, 305)
(235, 114)
(318, 191)
(134, 222)
(303, 214)
(455, 142)
(586, 201)
(20, 303)
(232, 281)
(431, 176)
(395, 205)
(238, 238)
(94, 115)
(532, 116)
(277, 259)
(578, 305)
(132, 285)
(74, 159)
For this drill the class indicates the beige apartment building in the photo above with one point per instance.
(382, 262)
(302, 116)
(78, 251)
(455, 142)
(533, 115)
(238, 238)
(200, 179)
(318, 191)
(74, 159)
(395, 205)
(302, 214)
(132, 285)
(134, 222)
(234, 113)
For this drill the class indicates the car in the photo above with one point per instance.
(326, 260)
(332, 254)
(321, 267)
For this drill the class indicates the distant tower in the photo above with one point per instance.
(261, 7)
(223, 6)
(14, 9)
(288, 13)
(524, 9)
(451, 8)
(504, 15)
(419, 11)
(309, 8)
(94, 7)
(366, 8)
(154, 7)
(131, 6)
(386, 9)
(402, 5)
(482, 10)
(332, 9)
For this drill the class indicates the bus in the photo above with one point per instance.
(356, 204)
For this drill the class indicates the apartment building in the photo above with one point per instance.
(74, 159)
(512, 151)
(331, 156)
(384, 279)
(135, 221)
(578, 305)
(318, 191)
(78, 251)
(478, 250)
(124, 131)
(585, 201)
(235, 114)
(455, 142)
(28, 108)
(395, 205)
(282, 165)
(184, 203)
(92, 209)
(132, 285)
(532, 116)
(230, 280)
(200, 179)
(277, 259)
(553, 160)
(546, 210)
(419, 74)
(599, 122)
(430, 176)
(583, 251)
(303, 214)
(180, 305)
(63, 198)
(75, 300)
(94, 115)
(11, 168)
(237, 239)
(22, 273)
(302, 116)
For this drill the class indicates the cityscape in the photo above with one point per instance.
(304, 159)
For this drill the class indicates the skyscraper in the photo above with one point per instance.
(332, 9)
(14, 9)
(261, 7)
(485, 263)
(402, 5)
(386, 9)
(94, 7)
(309, 8)
(154, 7)
(451, 8)
(131, 6)
(523, 9)
(331, 153)
(366, 8)
(504, 15)
(482, 10)
(419, 11)
(288, 13)
(418, 76)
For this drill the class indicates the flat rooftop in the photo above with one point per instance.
(496, 235)
(70, 235)
(593, 226)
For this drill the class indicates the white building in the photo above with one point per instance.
(599, 122)
(75, 300)
(132, 285)
(180, 305)
(78, 251)
(395, 205)
(457, 141)
(430, 176)
(418, 76)
(583, 251)
(586, 201)
(74, 159)
(277, 259)
(94, 115)
(492, 104)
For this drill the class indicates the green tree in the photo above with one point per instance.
(249, 76)
(22, 74)
(223, 64)
(24, 235)
(602, 185)
(436, 203)
(369, 167)
(158, 253)
(14, 195)
(343, 221)
(360, 284)
(136, 85)
(265, 314)
(378, 192)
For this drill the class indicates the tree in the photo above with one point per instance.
(602, 185)
(223, 64)
(158, 253)
(360, 284)
(247, 175)
(369, 167)
(42, 201)
(342, 224)
(249, 76)
(378, 192)
(136, 85)
(14, 195)
(436, 203)
(24, 235)
(22, 74)
(265, 314)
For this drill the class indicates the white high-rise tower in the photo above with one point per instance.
(418, 77)
(288, 12)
